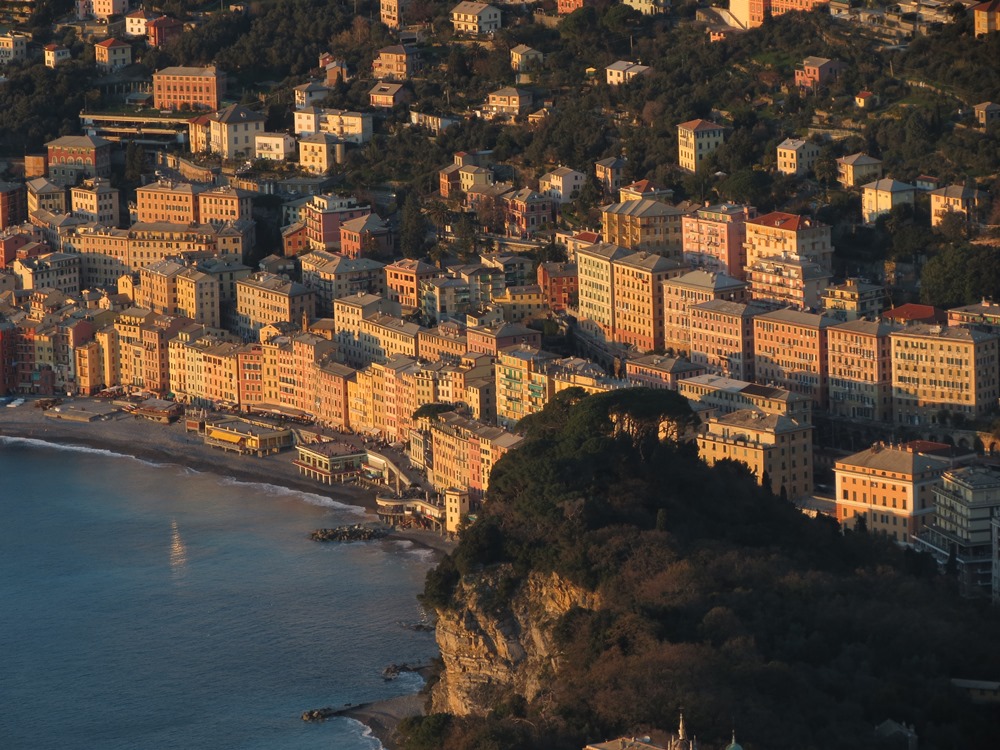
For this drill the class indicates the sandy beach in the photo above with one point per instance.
(172, 444)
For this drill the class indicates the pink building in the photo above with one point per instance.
(713, 238)
(721, 334)
(322, 217)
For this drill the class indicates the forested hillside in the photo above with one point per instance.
(715, 596)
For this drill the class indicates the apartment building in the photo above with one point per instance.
(797, 157)
(940, 374)
(655, 371)
(43, 195)
(323, 216)
(167, 201)
(960, 200)
(112, 54)
(73, 157)
(681, 292)
(559, 283)
(790, 350)
(596, 288)
(983, 315)
(609, 173)
(13, 205)
(854, 300)
(965, 503)
(265, 298)
(59, 271)
(13, 47)
(233, 131)
(696, 141)
(274, 146)
(189, 87)
(473, 18)
(860, 370)
(721, 336)
(794, 282)
(396, 63)
(562, 184)
(403, 279)
(713, 238)
(391, 12)
(891, 486)
(638, 312)
(814, 72)
(857, 169)
(95, 200)
(788, 236)
(523, 385)
(334, 276)
(464, 452)
(776, 449)
(649, 225)
(878, 198)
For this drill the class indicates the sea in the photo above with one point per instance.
(151, 607)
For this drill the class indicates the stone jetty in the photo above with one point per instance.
(356, 533)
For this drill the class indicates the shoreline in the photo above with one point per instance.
(171, 445)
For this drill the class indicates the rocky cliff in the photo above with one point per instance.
(497, 639)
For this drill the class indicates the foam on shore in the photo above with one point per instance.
(37, 443)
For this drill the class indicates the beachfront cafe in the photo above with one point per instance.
(330, 461)
(247, 438)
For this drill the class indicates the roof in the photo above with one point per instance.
(209, 72)
(728, 307)
(816, 62)
(112, 43)
(888, 185)
(641, 207)
(911, 311)
(523, 49)
(78, 141)
(894, 459)
(707, 280)
(797, 317)
(959, 191)
(954, 333)
(236, 113)
(793, 143)
(700, 126)
(470, 8)
(859, 160)
(782, 220)
(987, 106)
(866, 327)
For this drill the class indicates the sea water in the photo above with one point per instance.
(151, 606)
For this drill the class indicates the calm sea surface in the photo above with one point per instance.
(152, 607)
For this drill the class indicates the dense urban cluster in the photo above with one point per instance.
(435, 223)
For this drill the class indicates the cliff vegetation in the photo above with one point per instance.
(613, 579)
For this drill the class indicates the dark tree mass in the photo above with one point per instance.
(716, 596)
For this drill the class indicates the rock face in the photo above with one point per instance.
(497, 640)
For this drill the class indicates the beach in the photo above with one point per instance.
(172, 444)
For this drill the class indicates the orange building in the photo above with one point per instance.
(638, 304)
(403, 279)
(776, 449)
(195, 88)
(790, 350)
(891, 486)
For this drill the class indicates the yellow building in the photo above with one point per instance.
(797, 157)
(966, 202)
(596, 288)
(942, 373)
(233, 131)
(857, 169)
(95, 200)
(711, 395)
(787, 236)
(986, 17)
(891, 486)
(854, 299)
(696, 141)
(775, 448)
(318, 152)
(878, 198)
(650, 225)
